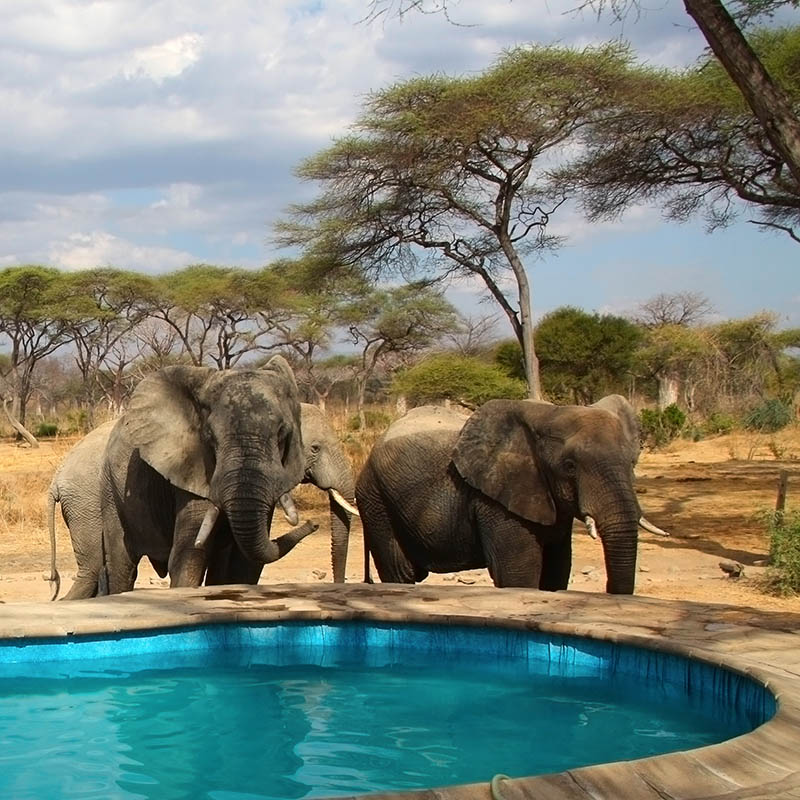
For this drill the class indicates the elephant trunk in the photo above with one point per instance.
(613, 513)
(619, 551)
(248, 498)
(340, 531)
(333, 473)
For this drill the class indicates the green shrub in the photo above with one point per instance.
(770, 416)
(46, 429)
(719, 422)
(783, 573)
(76, 420)
(458, 378)
(375, 420)
(661, 427)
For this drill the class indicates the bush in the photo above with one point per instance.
(46, 429)
(719, 422)
(661, 427)
(770, 416)
(375, 420)
(783, 574)
(459, 378)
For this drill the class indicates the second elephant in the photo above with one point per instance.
(500, 489)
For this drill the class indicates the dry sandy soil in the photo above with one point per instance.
(706, 493)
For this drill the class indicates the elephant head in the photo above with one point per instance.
(548, 463)
(230, 437)
(327, 467)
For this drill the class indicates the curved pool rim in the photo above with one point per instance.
(759, 645)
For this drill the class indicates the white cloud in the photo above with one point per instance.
(99, 249)
(152, 133)
(166, 60)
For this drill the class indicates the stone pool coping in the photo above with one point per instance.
(765, 645)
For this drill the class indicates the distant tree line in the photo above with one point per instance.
(109, 327)
(77, 342)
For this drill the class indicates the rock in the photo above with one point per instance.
(466, 579)
(732, 568)
(762, 562)
(644, 569)
(318, 574)
(587, 570)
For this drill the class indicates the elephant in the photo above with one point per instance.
(76, 485)
(441, 492)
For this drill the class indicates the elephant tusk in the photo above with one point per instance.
(591, 526)
(349, 507)
(289, 510)
(648, 526)
(206, 527)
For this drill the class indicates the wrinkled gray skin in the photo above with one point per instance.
(76, 485)
(500, 490)
(194, 437)
(327, 467)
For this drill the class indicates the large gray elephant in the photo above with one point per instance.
(441, 492)
(200, 451)
(76, 485)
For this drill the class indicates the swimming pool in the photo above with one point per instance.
(316, 709)
(385, 621)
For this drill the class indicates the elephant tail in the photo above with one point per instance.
(55, 578)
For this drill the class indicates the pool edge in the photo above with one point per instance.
(762, 645)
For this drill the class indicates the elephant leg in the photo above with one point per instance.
(557, 562)
(84, 586)
(187, 563)
(392, 563)
(119, 567)
(513, 554)
(227, 564)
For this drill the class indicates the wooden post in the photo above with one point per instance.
(783, 482)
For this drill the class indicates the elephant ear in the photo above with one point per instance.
(164, 423)
(284, 387)
(496, 453)
(631, 428)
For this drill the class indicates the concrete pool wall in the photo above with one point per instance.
(763, 646)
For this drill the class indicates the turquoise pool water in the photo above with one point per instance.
(314, 710)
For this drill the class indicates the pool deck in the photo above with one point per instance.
(764, 764)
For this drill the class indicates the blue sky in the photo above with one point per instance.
(151, 134)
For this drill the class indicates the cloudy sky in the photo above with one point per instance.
(151, 134)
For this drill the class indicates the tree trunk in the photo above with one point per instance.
(525, 320)
(767, 100)
(668, 385)
(19, 427)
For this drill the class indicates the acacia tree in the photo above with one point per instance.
(396, 322)
(305, 320)
(689, 139)
(219, 314)
(444, 176)
(34, 320)
(766, 98)
(109, 305)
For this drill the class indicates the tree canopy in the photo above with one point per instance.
(446, 177)
(688, 139)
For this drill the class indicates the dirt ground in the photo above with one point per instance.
(707, 494)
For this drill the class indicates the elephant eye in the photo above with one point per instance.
(315, 448)
(569, 466)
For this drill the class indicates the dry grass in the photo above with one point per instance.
(25, 475)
